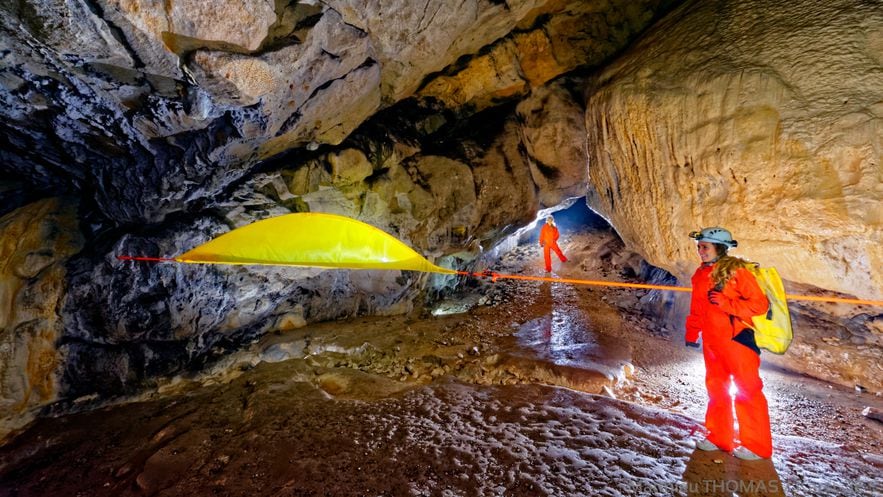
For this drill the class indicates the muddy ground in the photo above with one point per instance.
(533, 389)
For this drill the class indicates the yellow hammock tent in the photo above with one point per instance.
(313, 240)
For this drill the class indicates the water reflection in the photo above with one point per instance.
(564, 336)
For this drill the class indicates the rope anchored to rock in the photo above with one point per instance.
(338, 242)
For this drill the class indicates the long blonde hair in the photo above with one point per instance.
(725, 267)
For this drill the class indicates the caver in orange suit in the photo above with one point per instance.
(724, 357)
(549, 241)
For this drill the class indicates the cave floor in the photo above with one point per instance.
(535, 389)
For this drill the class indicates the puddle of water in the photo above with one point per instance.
(565, 336)
(560, 338)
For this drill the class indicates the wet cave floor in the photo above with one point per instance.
(536, 389)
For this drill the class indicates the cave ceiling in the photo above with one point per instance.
(144, 109)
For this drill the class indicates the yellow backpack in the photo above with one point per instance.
(772, 331)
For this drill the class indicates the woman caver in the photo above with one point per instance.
(725, 297)
(549, 241)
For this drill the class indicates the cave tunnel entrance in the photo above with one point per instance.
(572, 215)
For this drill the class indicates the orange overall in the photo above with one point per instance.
(726, 359)
(549, 241)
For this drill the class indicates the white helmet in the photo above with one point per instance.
(715, 235)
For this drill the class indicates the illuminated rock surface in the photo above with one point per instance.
(763, 117)
(34, 247)
(133, 128)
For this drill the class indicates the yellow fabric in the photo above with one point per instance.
(313, 240)
(772, 331)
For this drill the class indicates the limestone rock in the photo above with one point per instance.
(149, 107)
(483, 82)
(237, 23)
(554, 136)
(36, 241)
(735, 113)
(555, 38)
(506, 192)
(873, 413)
(413, 40)
(349, 166)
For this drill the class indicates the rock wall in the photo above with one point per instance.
(152, 108)
(35, 243)
(763, 117)
(117, 326)
(554, 138)
(174, 122)
(552, 40)
(443, 125)
(149, 106)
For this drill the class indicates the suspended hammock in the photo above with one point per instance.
(311, 240)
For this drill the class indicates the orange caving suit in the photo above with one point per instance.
(742, 298)
(549, 241)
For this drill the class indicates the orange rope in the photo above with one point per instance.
(498, 276)
(839, 300)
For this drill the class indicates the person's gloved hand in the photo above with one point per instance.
(715, 297)
(695, 345)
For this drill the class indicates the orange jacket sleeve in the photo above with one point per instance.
(698, 301)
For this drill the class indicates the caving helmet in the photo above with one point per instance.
(715, 235)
